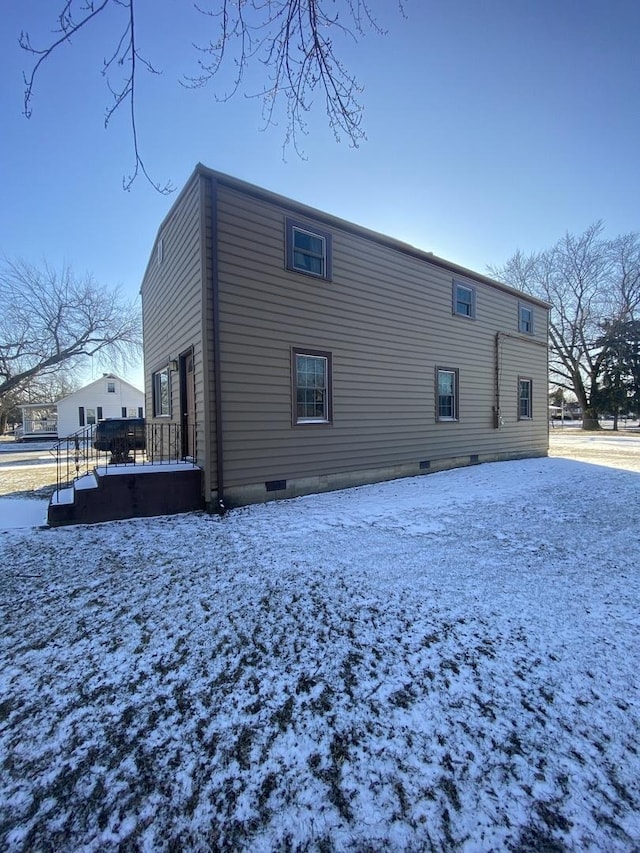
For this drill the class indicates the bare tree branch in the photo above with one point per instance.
(293, 40)
(51, 320)
(589, 282)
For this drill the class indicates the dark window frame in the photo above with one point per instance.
(293, 225)
(463, 285)
(160, 400)
(527, 416)
(455, 417)
(522, 326)
(303, 422)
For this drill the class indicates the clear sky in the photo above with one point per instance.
(491, 126)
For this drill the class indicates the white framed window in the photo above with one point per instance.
(160, 251)
(91, 417)
(525, 399)
(464, 300)
(447, 397)
(161, 394)
(111, 387)
(308, 249)
(311, 387)
(525, 318)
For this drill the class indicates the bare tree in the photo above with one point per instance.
(52, 320)
(294, 40)
(588, 281)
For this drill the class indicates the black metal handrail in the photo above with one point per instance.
(163, 444)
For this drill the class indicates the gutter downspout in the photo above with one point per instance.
(217, 372)
(497, 416)
(498, 420)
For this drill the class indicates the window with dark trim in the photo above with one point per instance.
(161, 394)
(525, 318)
(311, 386)
(308, 249)
(464, 300)
(447, 397)
(525, 398)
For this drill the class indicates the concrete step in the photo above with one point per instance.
(111, 493)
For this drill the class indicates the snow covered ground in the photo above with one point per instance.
(441, 663)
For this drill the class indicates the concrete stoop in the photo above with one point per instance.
(109, 494)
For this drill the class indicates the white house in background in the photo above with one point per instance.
(107, 397)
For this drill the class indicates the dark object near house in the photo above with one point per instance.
(119, 436)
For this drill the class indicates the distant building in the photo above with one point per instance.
(107, 397)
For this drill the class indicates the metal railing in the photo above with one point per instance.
(163, 444)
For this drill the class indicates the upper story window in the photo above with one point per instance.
(161, 394)
(311, 387)
(464, 300)
(111, 387)
(308, 249)
(160, 251)
(447, 402)
(525, 318)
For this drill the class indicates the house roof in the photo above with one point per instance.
(344, 225)
(37, 405)
(97, 381)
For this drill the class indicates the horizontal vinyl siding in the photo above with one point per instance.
(172, 307)
(386, 317)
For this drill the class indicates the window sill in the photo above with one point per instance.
(319, 276)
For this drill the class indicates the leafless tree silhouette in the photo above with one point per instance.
(294, 40)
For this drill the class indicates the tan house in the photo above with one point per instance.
(302, 353)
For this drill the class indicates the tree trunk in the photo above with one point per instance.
(590, 418)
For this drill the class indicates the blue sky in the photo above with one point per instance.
(491, 126)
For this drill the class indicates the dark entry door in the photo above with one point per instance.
(188, 400)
